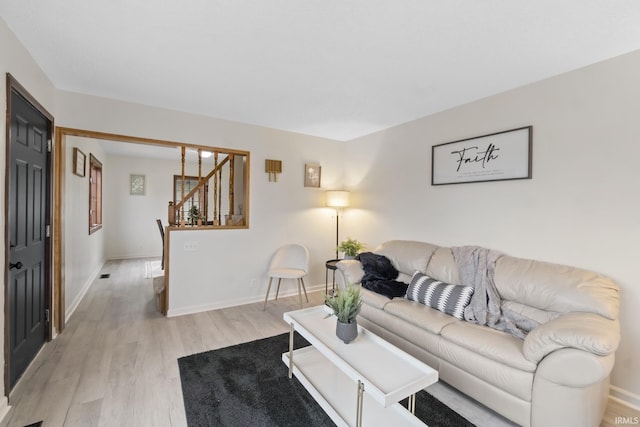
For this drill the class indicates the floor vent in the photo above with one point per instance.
(105, 276)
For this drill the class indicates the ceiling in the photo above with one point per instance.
(338, 69)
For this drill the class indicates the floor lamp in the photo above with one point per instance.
(338, 200)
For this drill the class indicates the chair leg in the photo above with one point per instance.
(267, 297)
(278, 288)
(300, 294)
(305, 289)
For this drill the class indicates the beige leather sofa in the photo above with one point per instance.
(557, 376)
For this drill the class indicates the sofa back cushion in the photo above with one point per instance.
(555, 288)
(538, 290)
(443, 267)
(407, 256)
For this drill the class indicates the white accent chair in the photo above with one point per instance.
(289, 262)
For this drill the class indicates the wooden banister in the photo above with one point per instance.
(181, 204)
(197, 187)
(216, 218)
(231, 195)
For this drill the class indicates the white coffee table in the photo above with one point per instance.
(356, 383)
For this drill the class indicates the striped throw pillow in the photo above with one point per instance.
(449, 299)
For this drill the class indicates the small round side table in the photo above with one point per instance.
(330, 265)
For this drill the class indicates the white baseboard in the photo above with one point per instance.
(4, 407)
(235, 302)
(624, 397)
(85, 288)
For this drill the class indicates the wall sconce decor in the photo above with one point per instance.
(273, 168)
(337, 199)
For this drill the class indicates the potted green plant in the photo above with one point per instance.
(194, 214)
(346, 305)
(350, 247)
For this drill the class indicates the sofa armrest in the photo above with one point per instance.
(351, 270)
(571, 388)
(583, 331)
(575, 368)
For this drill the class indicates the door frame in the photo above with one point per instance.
(12, 85)
(58, 226)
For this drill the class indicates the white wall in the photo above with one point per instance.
(131, 220)
(581, 208)
(84, 252)
(16, 60)
(282, 212)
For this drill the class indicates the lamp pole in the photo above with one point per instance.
(337, 224)
(337, 199)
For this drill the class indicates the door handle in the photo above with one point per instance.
(17, 265)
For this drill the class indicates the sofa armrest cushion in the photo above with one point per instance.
(351, 270)
(583, 331)
(575, 368)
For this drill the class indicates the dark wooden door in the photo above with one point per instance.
(28, 186)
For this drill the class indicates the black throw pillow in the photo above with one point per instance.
(377, 266)
(388, 288)
(379, 274)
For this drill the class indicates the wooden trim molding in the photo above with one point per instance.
(58, 219)
(95, 173)
(58, 230)
(139, 140)
(167, 267)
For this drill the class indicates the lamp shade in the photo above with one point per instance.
(337, 199)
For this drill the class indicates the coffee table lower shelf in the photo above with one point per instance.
(337, 394)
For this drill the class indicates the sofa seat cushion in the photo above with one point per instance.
(419, 315)
(373, 299)
(490, 343)
(511, 380)
(400, 333)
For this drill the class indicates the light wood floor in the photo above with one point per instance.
(116, 362)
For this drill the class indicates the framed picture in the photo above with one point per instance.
(495, 157)
(136, 185)
(312, 175)
(79, 162)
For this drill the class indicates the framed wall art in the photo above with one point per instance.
(136, 185)
(312, 175)
(498, 156)
(79, 162)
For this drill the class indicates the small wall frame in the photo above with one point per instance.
(136, 185)
(79, 162)
(312, 175)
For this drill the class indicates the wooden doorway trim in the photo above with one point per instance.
(58, 221)
(59, 184)
(58, 203)
(12, 85)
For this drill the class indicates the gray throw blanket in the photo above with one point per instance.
(476, 267)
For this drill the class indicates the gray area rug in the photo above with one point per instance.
(247, 385)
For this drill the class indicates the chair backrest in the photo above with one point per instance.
(159, 222)
(291, 256)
